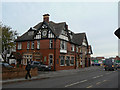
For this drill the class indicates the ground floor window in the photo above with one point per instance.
(27, 58)
(67, 61)
(72, 61)
(51, 59)
(62, 60)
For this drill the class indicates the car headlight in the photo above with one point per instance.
(46, 66)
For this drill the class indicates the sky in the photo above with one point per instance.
(98, 20)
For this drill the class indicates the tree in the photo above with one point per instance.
(8, 37)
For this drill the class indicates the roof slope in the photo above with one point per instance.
(56, 28)
(78, 38)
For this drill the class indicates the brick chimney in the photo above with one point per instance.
(46, 18)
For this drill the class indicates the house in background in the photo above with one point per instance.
(54, 44)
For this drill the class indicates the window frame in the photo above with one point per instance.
(28, 45)
(38, 44)
(67, 60)
(51, 43)
(73, 61)
(63, 45)
(32, 45)
(19, 46)
(62, 59)
(72, 47)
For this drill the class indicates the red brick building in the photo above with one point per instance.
(54, 44)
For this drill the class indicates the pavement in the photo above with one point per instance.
(51, 74)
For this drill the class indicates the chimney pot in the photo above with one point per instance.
(46, 17)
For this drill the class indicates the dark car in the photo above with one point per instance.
(40, 66)
(6, 65)
(110, 65)
(118, 65)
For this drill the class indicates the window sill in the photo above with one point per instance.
(50, 48)
(19, 49)
(62, 65)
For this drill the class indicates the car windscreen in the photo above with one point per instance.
(6, 64)
(108, 62)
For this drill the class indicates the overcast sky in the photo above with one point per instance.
(98, 20)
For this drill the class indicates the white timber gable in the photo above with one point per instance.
(44, 32)
(64, 35)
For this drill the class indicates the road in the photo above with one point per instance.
(97, 78)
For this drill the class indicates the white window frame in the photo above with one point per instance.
(76, 49)
(38, 44)
(28, 45)
(72, 48)
(63, 43)
(51, 43)
(19, 46)
(32, 45)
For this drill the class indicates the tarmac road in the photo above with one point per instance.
(94, 78)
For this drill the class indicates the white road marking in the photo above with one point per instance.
(98, 83)
(104, 80)
(75, 83)
(94, 77)
(89, 86)
(101, 75)
(98, 76)
(83, 81)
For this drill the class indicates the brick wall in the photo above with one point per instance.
(17, 73)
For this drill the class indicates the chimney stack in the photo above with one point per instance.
(46, 18)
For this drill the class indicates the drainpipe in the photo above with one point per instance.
(75, 57)
(54, 54)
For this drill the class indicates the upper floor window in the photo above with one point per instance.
(28, 45)
(51, 43)
(32, 46)
(19, 45)
(63, 45)
(38, 44)
(76, 49)
(72, 47)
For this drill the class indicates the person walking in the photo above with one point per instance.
(28, 68)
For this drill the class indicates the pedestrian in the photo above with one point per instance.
(28, 68)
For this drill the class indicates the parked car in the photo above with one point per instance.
(118, 65)
(110, 65)
(40, 66)
(6, 65)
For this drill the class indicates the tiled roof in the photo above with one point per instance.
(56, 29)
